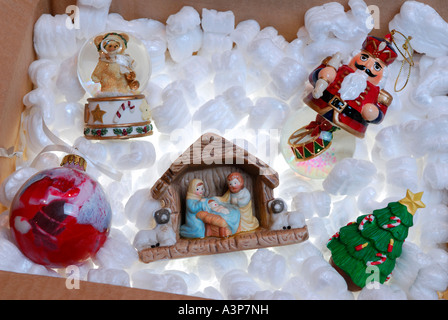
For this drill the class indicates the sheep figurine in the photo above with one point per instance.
(162, 235)
(281, 219)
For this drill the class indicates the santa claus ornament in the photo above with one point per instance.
(114, 68)
(346, 97)
(60, 216)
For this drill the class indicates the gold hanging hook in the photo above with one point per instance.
(407, 56)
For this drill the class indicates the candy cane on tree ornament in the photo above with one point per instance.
(336, 235)
(388, 277)
(369, 218)
(378, 262)
(393, 225)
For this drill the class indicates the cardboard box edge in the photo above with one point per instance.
(19, 286)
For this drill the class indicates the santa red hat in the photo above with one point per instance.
(380, 48)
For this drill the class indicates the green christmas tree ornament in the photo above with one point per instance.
(365, 251)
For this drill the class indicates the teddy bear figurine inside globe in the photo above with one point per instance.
(114, 68)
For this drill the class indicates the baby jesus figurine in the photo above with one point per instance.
(215, 206)
(220, 219)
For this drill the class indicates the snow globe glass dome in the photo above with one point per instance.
(114, 68)
(313, 155)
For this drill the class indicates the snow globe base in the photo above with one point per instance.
(335, 146)
(120, 117)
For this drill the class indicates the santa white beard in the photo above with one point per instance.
(353, 85)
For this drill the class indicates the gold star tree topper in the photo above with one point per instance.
(413, 201)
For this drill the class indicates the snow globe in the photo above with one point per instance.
(313, 154)
(114, 68)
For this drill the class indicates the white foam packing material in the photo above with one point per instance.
(116, 277)
(217, 27)
(258, 83)
(331, 20)
(287, 78)
(52, 39)
(147, 279)
(329, 29)
(215, 42)
(13, 260)
(309, 203)
(266, 264)
(238, 285)
(349, 176)
(117, 252)
(183, 33)
(268, 113)
(425, 26)
(12, 184)
(93, 17)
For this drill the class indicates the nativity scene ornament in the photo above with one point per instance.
(347, 97)
(218, 216)
(217, 205)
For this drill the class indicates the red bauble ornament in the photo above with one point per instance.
(60, 216)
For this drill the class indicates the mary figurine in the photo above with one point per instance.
(194, 227)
